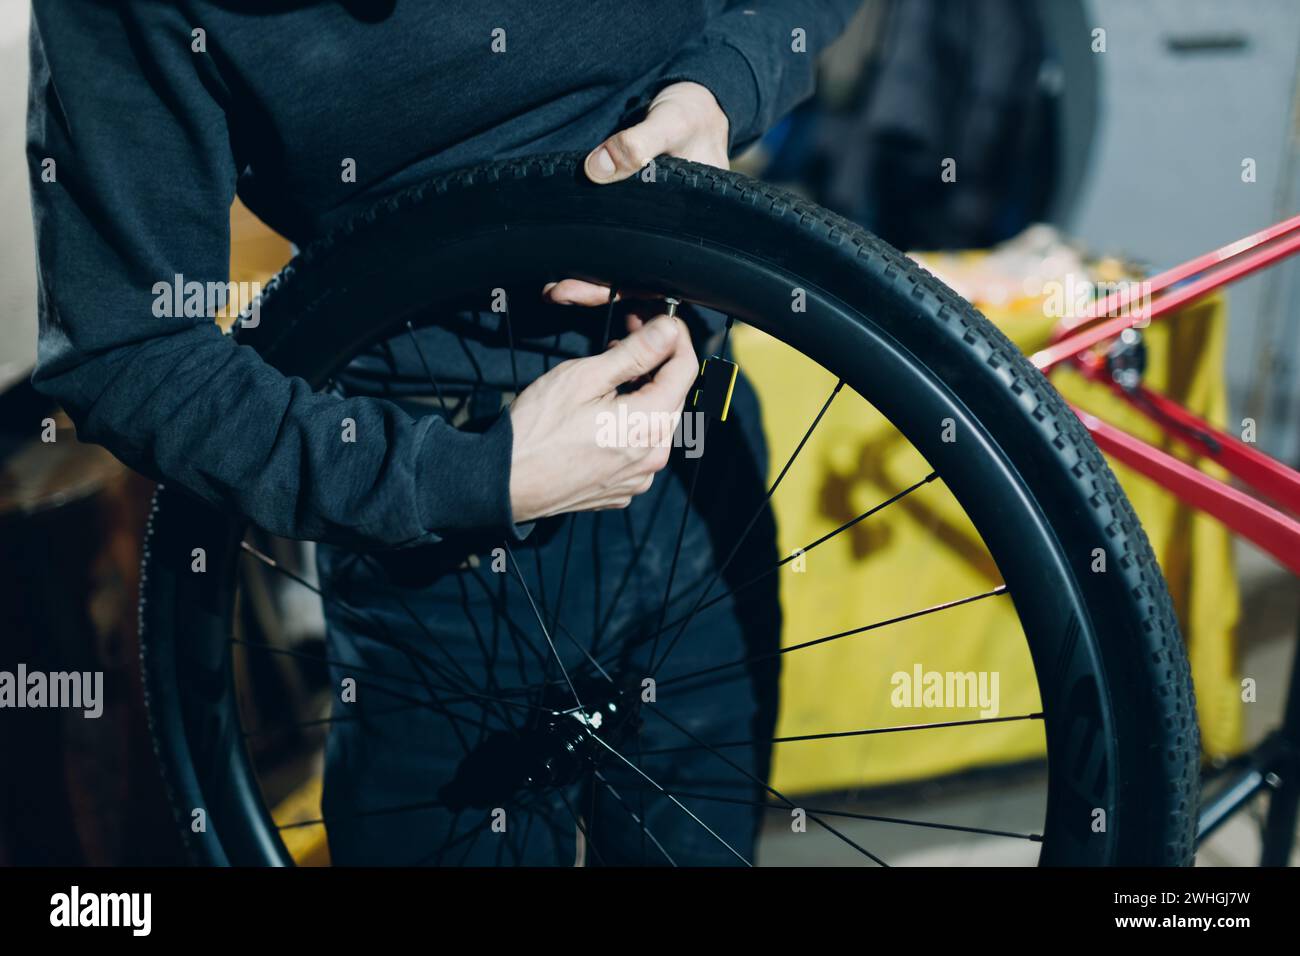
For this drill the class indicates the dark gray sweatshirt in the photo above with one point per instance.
(151, 137)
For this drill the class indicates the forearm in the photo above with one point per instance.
(198, 410)
(759, 58)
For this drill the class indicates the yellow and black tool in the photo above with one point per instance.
(712, 392)
(717, 379)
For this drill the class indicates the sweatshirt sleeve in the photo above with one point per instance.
(759, 58)
(132, 176)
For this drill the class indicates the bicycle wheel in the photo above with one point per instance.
(1117, 715)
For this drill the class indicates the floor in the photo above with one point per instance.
(1005, 799)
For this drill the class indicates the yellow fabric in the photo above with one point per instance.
(923, 551)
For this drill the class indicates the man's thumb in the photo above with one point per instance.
(639, 354)
(625, 153)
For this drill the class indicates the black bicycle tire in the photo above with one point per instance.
(1125, 620)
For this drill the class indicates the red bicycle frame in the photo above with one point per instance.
(1268, 518)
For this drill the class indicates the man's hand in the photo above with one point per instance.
(685, 121)
(557, 464)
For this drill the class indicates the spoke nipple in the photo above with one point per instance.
(672, 305)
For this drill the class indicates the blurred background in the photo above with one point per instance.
(1109, 153)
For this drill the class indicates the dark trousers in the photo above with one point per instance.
(447, 655)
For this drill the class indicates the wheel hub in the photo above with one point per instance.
(557, 750)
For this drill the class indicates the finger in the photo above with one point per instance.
(626, 152)
(639, 354)
(671, 383)
(635, 322)
(576, 292)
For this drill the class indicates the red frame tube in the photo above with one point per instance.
(1265, 474)
(1225, 271)
(1163, 280)
(1269, 527)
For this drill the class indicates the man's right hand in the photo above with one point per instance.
(557, 463)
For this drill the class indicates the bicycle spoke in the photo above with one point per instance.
(542, 624)
(322, 659)
(479, 380)
(640, 801)
(523, 845)
(702, 603)
(840, 635)
(609, 322)
(447, 842)
(510, 341)
(435, 708)
(373, 632)
(450, 843)
(326, 721)
(758, 512)
(361, 814)
(504, 615)
(834, 735)
(677, 551)
(477, 832)
(586, 654)
(370, 628)
(541, 580)
(501, 614)
(564, 569)
(637, 548)
(768, 787)
(597, 573)
(428, 370)
(489, 657)
(465, 696)
(868, 817)
(423, 628)
(685, 809)
(639, 821)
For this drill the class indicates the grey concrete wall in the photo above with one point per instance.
(17, 257)
(1165, 181)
